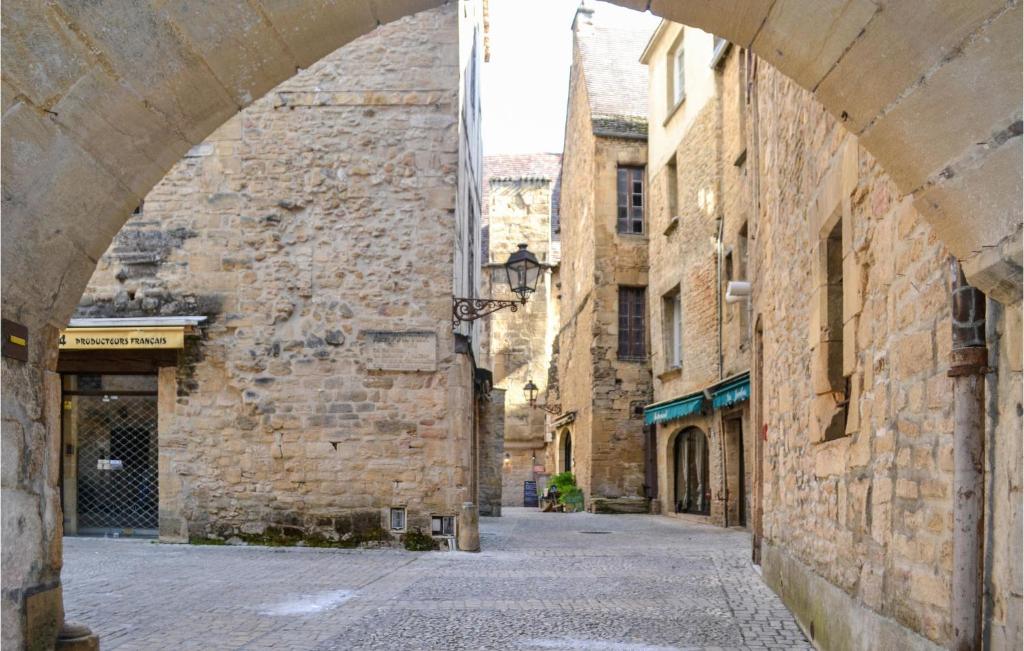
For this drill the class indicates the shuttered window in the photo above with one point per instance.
(632, 330)
(630, 191)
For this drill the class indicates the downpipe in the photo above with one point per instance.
(968, 366)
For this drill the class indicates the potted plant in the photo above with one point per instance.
(570, 497)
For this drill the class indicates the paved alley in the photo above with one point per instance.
(543, 581)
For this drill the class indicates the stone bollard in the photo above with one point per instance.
(469, 528)
(76, 637)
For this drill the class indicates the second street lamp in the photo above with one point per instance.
(531, 394)
(522, 271)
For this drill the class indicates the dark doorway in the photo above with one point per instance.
(760, 435)
(690, 461)
(567, 452)
(735, 479)
(110, 438)
(651, 461)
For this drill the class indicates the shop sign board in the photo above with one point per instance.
(122, 338)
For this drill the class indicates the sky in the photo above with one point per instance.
(525, 84)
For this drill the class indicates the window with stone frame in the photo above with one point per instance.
(831, 357)
(632, 326)
(672, 328)
(671, 191)
(836, 302)
(630, 199)
(677, 75)
(398, 518)
(442, 525)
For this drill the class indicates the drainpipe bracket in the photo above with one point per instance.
(969, 361)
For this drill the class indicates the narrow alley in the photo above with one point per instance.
(543, 581)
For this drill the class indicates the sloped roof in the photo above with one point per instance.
(610, 45)
(519, 167)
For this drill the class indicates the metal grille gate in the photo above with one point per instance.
(117, 462)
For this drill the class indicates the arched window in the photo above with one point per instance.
(692, 492)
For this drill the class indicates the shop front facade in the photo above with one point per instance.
(704, 466)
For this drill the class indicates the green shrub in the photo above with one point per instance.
(564, 481)
(417, 541)
(568, 491)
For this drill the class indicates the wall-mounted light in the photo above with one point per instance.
(522, 270)
(531, 394)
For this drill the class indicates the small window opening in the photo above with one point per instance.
(442, 525)
(398, 518)
(672, 328)
(678, 76)
(630, 199)
(632, 328)
(672, 190)
(840, 383)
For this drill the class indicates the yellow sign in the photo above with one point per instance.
(127, 338)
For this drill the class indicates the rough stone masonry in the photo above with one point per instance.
(319, 233)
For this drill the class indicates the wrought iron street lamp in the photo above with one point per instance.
(531, 393)
(522, 271)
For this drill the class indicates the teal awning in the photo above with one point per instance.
(731, 391)
(679, 408)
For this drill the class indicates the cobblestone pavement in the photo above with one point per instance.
(543, 581)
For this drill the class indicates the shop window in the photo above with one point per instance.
(632, 327)
(630, 197)
(398, 518)
(690, 461)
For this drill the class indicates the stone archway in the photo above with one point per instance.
(101, 99)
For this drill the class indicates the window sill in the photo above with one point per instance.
(633, 236)
(671, 374)
(643, 359)
(672, 111)
(673, 224)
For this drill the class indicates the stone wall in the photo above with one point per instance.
(602, 391)
(620, 387)
(518, 344)
(871, 510)
(1004, 510)
(699, 204)
(576, 274)
(491, 446)
(319, 218)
